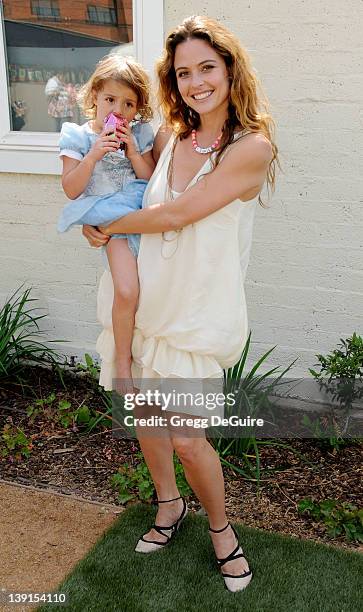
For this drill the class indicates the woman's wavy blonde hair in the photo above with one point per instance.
(248, 107)
(124, 70)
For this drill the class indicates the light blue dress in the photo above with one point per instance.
(113, 189)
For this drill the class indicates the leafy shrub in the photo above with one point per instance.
(340, 375)
(339, 518)
(136, 482)
(345, 363)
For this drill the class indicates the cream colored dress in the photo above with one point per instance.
(191, 320)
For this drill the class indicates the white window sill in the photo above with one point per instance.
(30, 153)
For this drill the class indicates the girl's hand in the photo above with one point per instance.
(94, 236)
(105, 143)
(128, 139)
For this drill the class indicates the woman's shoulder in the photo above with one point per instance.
(252, 138)
(251, 144)
(162, 137)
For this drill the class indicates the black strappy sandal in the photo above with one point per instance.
(146, 546)
(239, 582)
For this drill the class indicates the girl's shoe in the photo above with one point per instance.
(146, 546)
(239, 582)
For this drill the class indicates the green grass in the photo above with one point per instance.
(290, 575)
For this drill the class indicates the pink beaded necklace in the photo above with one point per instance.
(204, 150)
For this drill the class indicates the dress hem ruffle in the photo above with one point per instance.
(155, 358)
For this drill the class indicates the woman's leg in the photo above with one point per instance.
(203, 472)
(158, 451)
(123, 268)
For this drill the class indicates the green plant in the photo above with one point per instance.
(340, 376)
(40, 407)
(135, 482)
(92, 369)
(345, 363)
(251, 390)
(19, 328)
(89, 367)
(334, 440)
(339, 518)
(15, 442)
(62, 413)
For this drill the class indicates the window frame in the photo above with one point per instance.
(111, 11)
(45, 17)
(36, 152)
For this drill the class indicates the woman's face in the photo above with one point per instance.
(202, 76)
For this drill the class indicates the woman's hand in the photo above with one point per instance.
(94, 236)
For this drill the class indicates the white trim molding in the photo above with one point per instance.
(36, 152)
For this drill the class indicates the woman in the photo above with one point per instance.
(191, 322)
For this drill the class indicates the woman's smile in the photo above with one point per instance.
(202, 96)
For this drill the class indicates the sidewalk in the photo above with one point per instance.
(43, 535)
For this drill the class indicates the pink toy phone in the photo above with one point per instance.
(113, 122)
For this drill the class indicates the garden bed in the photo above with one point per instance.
(70, 462)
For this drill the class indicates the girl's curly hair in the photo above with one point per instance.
(124, 70)
(248, 107)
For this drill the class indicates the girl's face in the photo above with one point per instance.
(115, 97)
(202, 76)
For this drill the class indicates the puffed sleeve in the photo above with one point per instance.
(73, 141)
(144, 137)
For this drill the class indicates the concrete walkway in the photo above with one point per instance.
(42, 536)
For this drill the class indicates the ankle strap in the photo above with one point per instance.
(164, 501)
(219, 530)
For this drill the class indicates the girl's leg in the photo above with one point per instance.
(203, 472)
(123, 268)
(158, 451)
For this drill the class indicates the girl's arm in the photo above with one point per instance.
(143, 165)
(76, 174)
(240, 175)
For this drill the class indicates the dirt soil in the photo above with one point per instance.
(43, 535)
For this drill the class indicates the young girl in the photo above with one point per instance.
(102, 181)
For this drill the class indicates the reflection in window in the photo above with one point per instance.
(100, 14)
(45, 9)
(52, 49)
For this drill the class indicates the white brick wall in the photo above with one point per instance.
(305, 280)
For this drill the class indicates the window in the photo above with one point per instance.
(49, 62)
(102, 15)
(33, 53)
(45, 9)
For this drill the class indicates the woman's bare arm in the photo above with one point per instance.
(242, 170)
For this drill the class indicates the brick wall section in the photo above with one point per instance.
(74, 17)
(304, 285)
